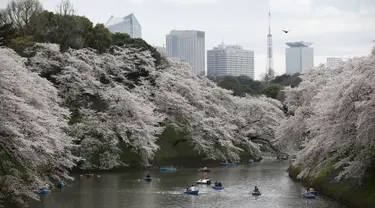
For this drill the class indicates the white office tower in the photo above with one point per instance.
(299, 57)
(188, 45)
(333, 62)
(230, 60)
(128, 24)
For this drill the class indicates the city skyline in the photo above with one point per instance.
(246, 23)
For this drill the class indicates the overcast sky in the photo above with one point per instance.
(340, 28)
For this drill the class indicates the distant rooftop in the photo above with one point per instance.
(298, 44)
(223, 46)
(186, 31)
(116, 20)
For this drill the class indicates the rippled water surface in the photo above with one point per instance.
(125, 190)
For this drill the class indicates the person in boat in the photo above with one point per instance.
(45, 186)
(192, 188)
(308, 193)
(148, 176)
(256, 189)
(219, 184)
(216, 183)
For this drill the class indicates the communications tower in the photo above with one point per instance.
(270, 73)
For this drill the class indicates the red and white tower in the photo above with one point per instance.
(270, 73)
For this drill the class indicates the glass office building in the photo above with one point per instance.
(189, 46)
(299, 57)
(128, 24)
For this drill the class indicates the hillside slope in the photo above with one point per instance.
(331, 129)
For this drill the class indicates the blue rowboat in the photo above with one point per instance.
(218, 187)
(191, 192)
(168, 169)
(44, 191)
(308, 196)
(148, 179)
(229, 164)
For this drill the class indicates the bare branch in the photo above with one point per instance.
(21, 13)
(65, 8)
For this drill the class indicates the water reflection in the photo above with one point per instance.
(124, 190)
(146, 192)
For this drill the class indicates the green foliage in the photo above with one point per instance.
(83, 25)
(272, 91)
(46, 30)
(169, 147)
(5, 162)
(71, 31)
(19, 44)
(100, 38)
(8, 164)
(128, 156)
(7, 32)
(67, 30)
(240, 86)
(167, 143)
(370, 184)
(324, 173)
(243, 85)
(345, 190)
(287, 80)
(120, 39)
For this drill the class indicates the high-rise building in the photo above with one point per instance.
(161, 50)
(128, 24)
(299, 57)
(333, 62)
(230, 60)
(188, 45)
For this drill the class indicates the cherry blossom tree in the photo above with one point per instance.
(219, 124)
(332, 123)
(121, 97)
(98, 88)
(34, 148)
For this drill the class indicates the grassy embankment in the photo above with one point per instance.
(345, 191)
(170, 153)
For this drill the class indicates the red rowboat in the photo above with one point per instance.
(204, 170)
(90, 175)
